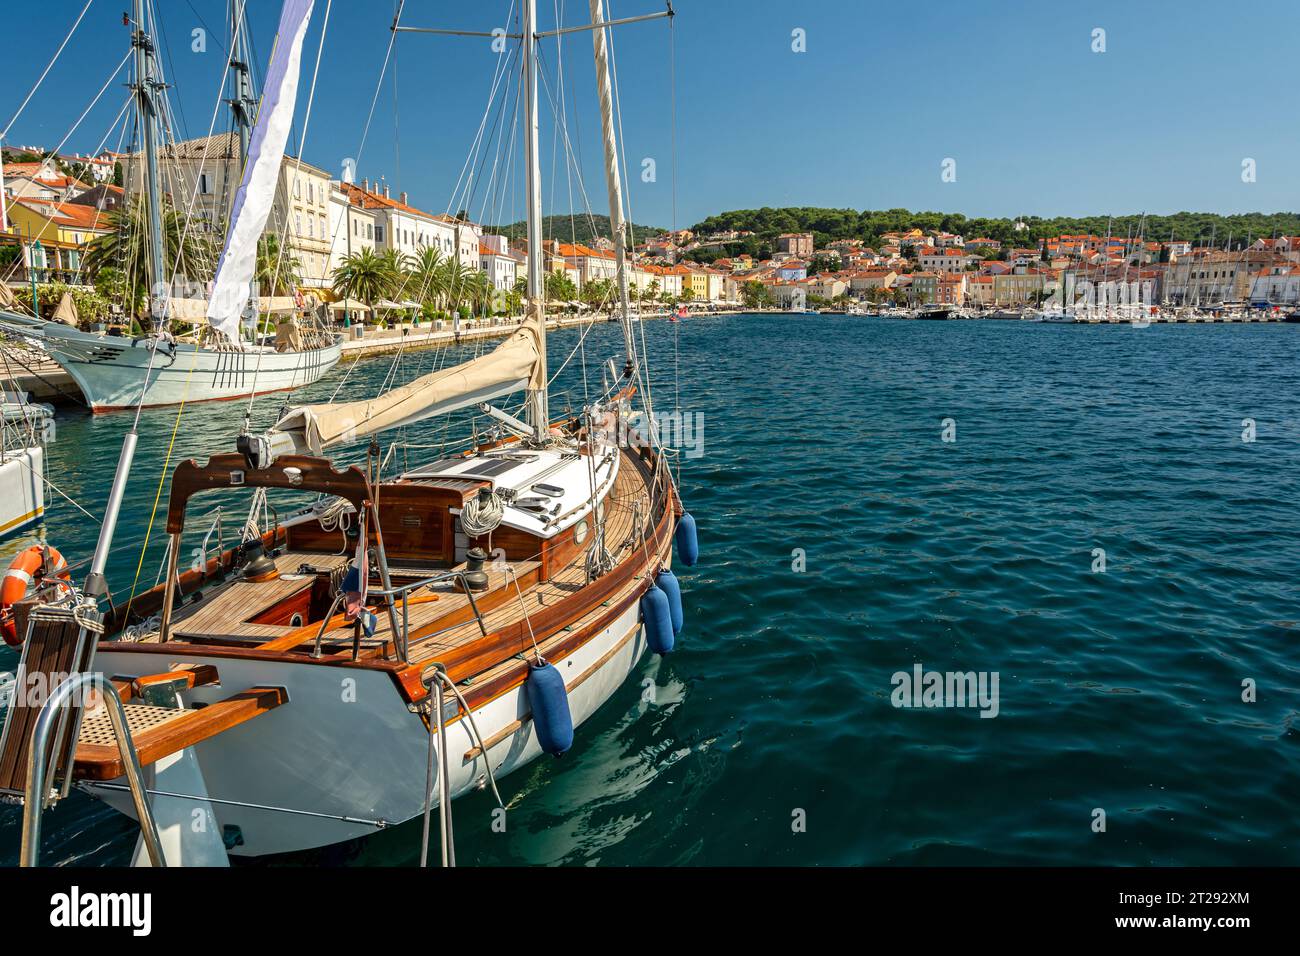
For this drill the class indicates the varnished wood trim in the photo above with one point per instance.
(103, 762)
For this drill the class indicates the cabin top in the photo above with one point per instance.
(545, 491)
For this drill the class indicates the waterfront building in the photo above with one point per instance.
(495, 259)
(51, 238)
(923, 289)
(1278, 284)
(1213, 277)
(864, 280)
(791, 296)
(203, 175)
(933, 259)
(979, 290)
(1022, 286)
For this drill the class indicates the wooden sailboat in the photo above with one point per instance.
(392, 644)
(117, 372)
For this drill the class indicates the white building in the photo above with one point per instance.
(496, 260)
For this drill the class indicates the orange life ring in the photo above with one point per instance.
(25, 568)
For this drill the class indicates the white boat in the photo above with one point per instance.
(395, 642)
(27, 427)
(116, 372)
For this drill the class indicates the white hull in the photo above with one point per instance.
(353, 758)
(22, 488)
(111, 370)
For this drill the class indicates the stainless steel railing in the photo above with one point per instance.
(38, 770)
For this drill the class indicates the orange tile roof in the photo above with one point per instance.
(66, 214)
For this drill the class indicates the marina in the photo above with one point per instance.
(1025, 555)
(445, 438)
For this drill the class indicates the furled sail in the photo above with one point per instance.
(256, 192)
(513, 365)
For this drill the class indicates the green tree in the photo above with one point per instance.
(559, 287)
(276, 271)
(188, 251)
(425, 276)
(754, 294)
(365, 276)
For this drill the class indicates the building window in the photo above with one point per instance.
(297, 223)
(297, 189)
(204, 186)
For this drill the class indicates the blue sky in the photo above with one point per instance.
(1012, 91)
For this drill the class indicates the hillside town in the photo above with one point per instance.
(362, 253)
(916, 268)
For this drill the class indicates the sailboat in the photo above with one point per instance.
(394, 643)
(118, 372)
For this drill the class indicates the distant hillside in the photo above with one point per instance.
(575, 229)
(830, 224)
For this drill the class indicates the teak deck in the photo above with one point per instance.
(442, 624)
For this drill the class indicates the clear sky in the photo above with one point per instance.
(1035, 120)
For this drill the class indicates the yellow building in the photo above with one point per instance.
(697, 282)
(63, 230)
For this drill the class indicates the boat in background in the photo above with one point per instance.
(933, 312)
(117, 372)
(27, 428)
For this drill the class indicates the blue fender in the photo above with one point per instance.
(669, 584)
(658, 620)
(688, 543)
(549, 702)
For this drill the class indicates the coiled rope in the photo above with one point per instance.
(482, 514)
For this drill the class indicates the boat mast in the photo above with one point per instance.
(242, 104)
(145, 86)
(536, 289)
(96, 584)
(613, 183)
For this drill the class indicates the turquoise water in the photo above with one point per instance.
(1118, 689)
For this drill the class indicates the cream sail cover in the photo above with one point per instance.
(513, 365)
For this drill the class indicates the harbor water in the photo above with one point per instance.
(1100, 522)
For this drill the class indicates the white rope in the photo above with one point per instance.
(482, 514)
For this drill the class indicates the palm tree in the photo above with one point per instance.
(365, 276)
(398, 265)
(456, 284)
(480, 291)
(426, 276)
(189, 254)
(560, 287)
(276, 272)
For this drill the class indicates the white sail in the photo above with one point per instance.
(513, 365)
(256, 192)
